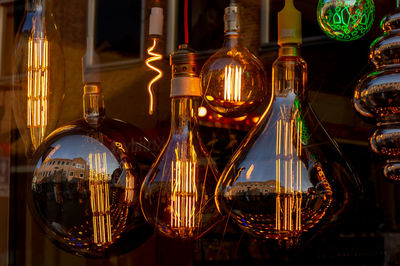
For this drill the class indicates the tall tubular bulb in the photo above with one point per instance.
(177, 196)
(38, 75)
(155, 31)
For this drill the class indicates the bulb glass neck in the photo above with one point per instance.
(93, 103)
(183, 115)
(232, 40)
(289, 50)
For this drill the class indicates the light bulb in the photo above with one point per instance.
(177, 196)
(233, 79)
(345, 20)
(282, 182)
(377, 95)
(38, 75)
(85, 185)
(155, 30)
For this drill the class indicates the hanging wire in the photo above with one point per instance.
(186, 21)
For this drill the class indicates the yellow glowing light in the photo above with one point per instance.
(153, 57)
(233, 83)
(38, 86)
(241, 118)
(249, 172)
(202, 111)
(99, 198)
(288, 199)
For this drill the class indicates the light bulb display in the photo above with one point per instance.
(233, 79)
(281, 183)
(84, 191)
(376, 96)
(345, 20)
(177, 196)
(38, 82)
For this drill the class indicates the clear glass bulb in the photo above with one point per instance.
(233, 79)
(38, 80)
(177, 196)
(84, 191)
(345, 20)
(282, 182)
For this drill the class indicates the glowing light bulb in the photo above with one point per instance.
(155, 30)
(177, 196)
(376, 95)
(233, 79)
(280, 184)
(38, 80)
(84, 190)
(345, 20)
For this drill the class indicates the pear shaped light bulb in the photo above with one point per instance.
(281, 184)
(38, 75)
(345, 20)
(177, 196)
(233, 79)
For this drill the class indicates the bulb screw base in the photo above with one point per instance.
(231, 19)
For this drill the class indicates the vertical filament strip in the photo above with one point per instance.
(153, 57)
(99, 198)
(184, 194)
(288, 173)
(233, 83)
(37, 88)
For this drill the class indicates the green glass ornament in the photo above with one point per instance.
(345, 20)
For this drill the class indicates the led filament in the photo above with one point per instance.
(153, 57)
(99, 198)
(233, 83)
(184, 195)
(37, 88)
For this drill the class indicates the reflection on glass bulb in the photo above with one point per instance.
(38, 75)
(345, 20)
(233, 79)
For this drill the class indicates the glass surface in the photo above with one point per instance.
(345, 20)
(177, 195)
(286, 179)
(377, 95)
(38, 81)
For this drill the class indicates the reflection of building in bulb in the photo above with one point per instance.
(99, 198)
(184, 194)
(38, 62)
(233, 83)
(288, 173)
(153, 57)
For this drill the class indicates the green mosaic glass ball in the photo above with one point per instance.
(345, 20)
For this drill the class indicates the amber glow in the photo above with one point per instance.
(38, 86)
(288, 199)
(233, 83)
(153, 57)
(99, 198)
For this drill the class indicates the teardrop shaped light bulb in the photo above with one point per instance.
(38, 75)
(345, 20)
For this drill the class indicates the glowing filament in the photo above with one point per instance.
(153, 57)
(38, 85)
(288, 174)
(99, 198)
(184, 194)
(233, 83)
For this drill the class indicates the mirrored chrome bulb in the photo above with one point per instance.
(345, 20)
(233, 80)
(38, 75)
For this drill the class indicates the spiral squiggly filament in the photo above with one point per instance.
(153, 57)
